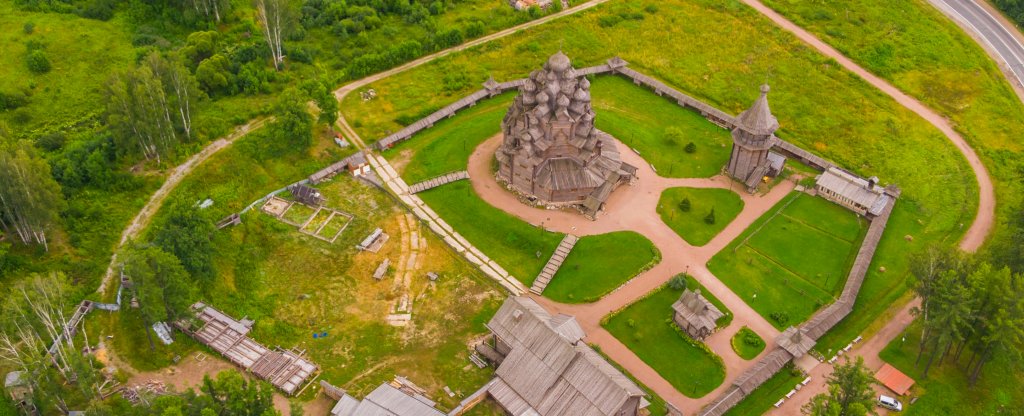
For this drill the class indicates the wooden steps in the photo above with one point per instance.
(438, 181)
(554, 263)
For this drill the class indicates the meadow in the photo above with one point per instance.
(925, 54)
(691, 225)
(767, 265)
(646, 327)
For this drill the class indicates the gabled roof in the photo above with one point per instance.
(14, 379)
(758, 119)
(386, 400)
(854, 188)
(697, 310)
(548, 371)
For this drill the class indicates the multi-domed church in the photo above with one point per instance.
(552, 154)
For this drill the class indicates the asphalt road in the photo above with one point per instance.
(991, 29)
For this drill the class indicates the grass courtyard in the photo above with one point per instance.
(659, 129)
(646, 327)
(691, 225)
(599, 264)
(768, 264)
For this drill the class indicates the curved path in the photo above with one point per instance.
(155, 201)
(634, 208)
(982, 224)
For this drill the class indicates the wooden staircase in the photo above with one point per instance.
(554, 263)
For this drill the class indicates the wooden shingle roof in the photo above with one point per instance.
(758, 119)
(854, 188)
(548, 371)
(697, 310)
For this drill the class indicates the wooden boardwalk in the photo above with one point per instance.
(438, 181)
(554, 263)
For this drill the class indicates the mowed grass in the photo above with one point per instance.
(760, 401)
(946, 390)
(691, 225)
(646, 327)
(747, 351)
(599, 264)
(641, 119)
(446, 146)
(792, 260)
(522, 249)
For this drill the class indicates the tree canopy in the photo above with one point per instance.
(29, 197)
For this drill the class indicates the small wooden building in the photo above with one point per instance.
(860, 195)
(306, 194)
(695, 314)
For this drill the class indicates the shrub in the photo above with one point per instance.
(608, 20)
(673, 135)
(37, 62)
(651, 8)
(677, 282)
(779, 317)
(691, 147)
(751, 339)
(710, 219)
(11, 100)
(474, 29)
(684, 205)
(28, 28)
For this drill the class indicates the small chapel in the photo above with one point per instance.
(551, 153)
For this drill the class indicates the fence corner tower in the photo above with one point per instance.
(752, 139)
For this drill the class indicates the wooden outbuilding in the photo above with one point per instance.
(306, 194)
(863, 196)
(695, 314)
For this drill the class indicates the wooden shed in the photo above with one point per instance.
(695, 314)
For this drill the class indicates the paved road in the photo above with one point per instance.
(999, 37)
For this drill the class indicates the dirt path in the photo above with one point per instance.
(982, 224)
(145, 215)
(634, 208)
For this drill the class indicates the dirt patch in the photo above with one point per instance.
(276, 206)
(401, 160)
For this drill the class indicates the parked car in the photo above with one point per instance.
(890, 403)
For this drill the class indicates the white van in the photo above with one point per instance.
(890, 403)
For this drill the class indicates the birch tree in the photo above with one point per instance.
(179, 85)
(140, 113)
(29, 197)
(209, 8)
(273, 16)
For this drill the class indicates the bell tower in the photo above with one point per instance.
(752, 138)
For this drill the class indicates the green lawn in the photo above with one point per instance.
(446, 146)
(946, 392)
(599, 264)
(747, 344)
(641, 119)
(646, 327)
(520, 248)
(761, 400)
(691, 225)
(768, 264)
